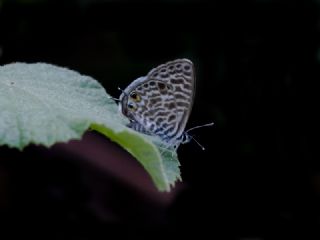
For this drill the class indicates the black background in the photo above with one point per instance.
(257, 71)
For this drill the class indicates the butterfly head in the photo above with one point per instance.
(132, 101)
(129, 101)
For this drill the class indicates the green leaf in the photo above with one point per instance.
(45, 104)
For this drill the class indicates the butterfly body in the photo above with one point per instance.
(160, 103)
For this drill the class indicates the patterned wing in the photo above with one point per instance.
(160, 103)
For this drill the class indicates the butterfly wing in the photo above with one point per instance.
(179, 76)
(162, 101)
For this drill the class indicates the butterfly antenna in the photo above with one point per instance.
(202, 147)
(122, 91)
(205, 125)
(115, 99)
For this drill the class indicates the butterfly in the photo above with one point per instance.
(160, 103)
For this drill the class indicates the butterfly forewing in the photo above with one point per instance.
(160, 103)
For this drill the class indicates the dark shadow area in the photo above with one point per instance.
(257, 65)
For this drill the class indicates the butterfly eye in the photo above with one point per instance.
(131, 106)
(135, 97)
